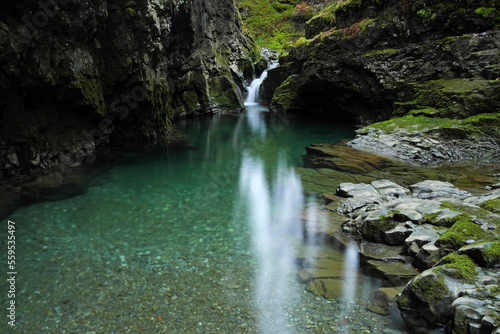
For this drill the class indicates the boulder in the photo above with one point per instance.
(486, 254)
(428, 256)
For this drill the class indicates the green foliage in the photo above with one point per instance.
(274, 24)
(424, 13)
(130, 11)
(485, 12)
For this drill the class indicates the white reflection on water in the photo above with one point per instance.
(350, 272)
(272, 215)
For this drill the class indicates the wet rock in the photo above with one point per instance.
(428, 256)
(398, 273)
(358, 190)
(397, 235)
(328, 288)
(431, 189)
(382, 300)
(307, 274)
(390, 190)
(379, 251)
(421, 235)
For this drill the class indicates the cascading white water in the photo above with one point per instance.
(253, 89)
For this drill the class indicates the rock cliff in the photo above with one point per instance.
(79, 74)
(432, 66)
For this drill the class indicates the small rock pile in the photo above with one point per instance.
(445, 233)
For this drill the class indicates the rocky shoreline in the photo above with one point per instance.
(437, 246)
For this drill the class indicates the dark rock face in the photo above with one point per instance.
(369, 61)
(76, 75)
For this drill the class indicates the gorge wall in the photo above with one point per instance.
(432, 66)
(79, 74)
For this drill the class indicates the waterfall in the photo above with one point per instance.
(253, 89)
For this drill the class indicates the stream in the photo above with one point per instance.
(200, 240)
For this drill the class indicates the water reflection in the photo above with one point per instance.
(351, 269)
(272, 216)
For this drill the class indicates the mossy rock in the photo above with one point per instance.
(486, 255)
(492, 205)
(451, 98)
(92, 92)
(458, 266)
(464, 231)
(427, 287)
(190, 100)
(223, 93)
(286, 96)
(373, 229)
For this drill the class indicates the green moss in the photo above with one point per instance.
(463, 232)
(222, 92)
(413, 124)
(92, 91)
(345, 6)
(385, 223)
(130, 12)
(485, 12)
(458, 266)
(492, 205)
(285, 96)
(381, 52)
(492, 254)
(460, 85)
(430, 287)
(160, 98)
(429, 112)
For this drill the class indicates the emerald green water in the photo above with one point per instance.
(182, 240)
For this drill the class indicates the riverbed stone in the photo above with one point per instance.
(328, 288)
(307, 274)
(390, 189)
(382, 300)
(421, 235)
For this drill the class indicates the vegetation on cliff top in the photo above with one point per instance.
(275, 24)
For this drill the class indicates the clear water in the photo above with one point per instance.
(183, 241)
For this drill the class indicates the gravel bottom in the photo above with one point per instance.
(162, 279)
